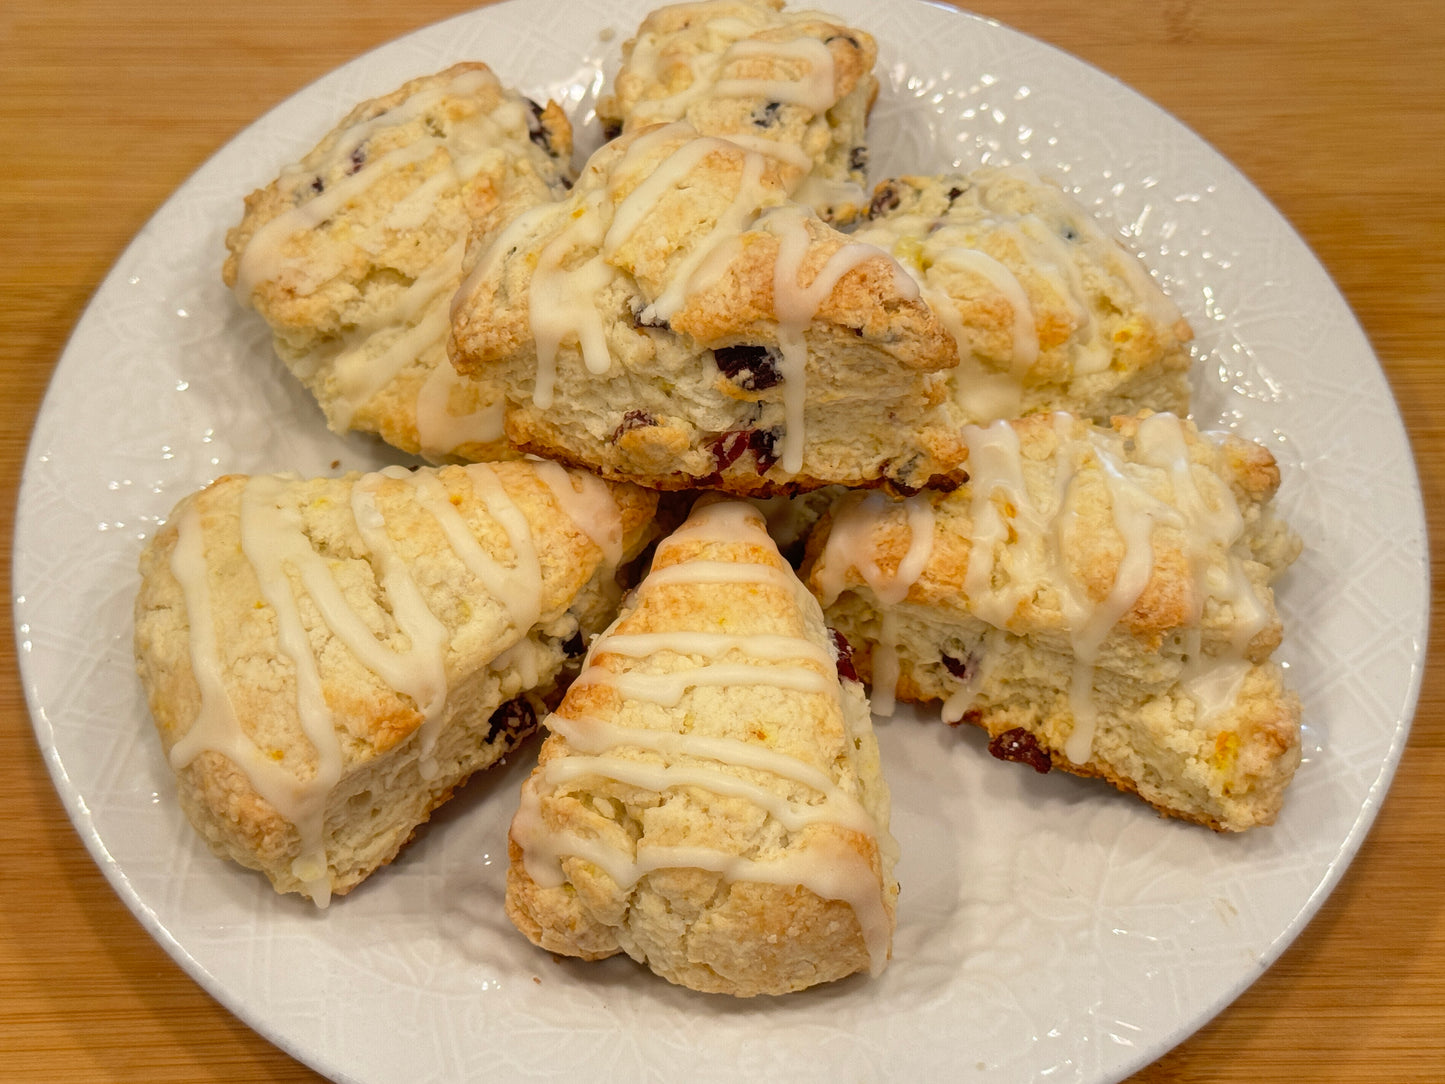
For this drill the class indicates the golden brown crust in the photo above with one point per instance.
(389, 774)
(1050, 312)
(672, 368)
(1191, 714)
(671, 71)
(710, 931)
(352, 255)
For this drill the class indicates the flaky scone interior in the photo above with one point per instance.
(1097, 598)
(709, 798)
(327, 659)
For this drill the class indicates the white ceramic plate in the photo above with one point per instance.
(1047, 928)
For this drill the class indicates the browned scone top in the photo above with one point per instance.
(678, 322)
(709, 799)
(352, 254)
(1098, 598)
(750, 69)
(326, 659)
(1050, 311)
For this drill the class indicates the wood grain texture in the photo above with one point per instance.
(1333, 108)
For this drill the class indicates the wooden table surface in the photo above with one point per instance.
(1335, 109)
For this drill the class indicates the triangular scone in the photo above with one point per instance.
(1097, 598)
(327, 659)
(677, 323)
(352, 255)
(1049, 312)
(709, 799)
(795, 84)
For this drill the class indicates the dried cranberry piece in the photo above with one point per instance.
(727, 448)
(885, 197)
(751, 367)
(843, 653)
(764, 443)
(633, 419)
(767, 116)
(640, 318)
(537, 131)
(959, 668)
(947, 483)
(515, 718)
(358, 159)
(1022, 747)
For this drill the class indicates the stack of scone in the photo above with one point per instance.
(967, 399)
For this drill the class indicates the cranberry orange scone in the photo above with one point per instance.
(795, 85)
(327, 659)
(1097, 598)
(1048, 311)
(352, 255)
(709, 799)
(676, 322)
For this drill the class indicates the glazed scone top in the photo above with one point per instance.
(671, 248)
(795, 84)
(1083, 534)
(352, 254)
(1048, 311)
(350, 605)
(720, 679)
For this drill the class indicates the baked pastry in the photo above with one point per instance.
(709, 799)
(1048, 311)
(795, 85)
(352, 255)
(1097, 598)
(676, 322)
(328, 659)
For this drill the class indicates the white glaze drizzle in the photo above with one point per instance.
(852, 525)
(561, 299)
(419, 313)
(441, 430)
(274, 542)
(751, 194)
(1016, 544)
(795, 307)
(576, 264)
(589, 503)
(931, 248)
(813, 88)
(217, 729)
(822, 866)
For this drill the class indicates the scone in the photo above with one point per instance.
(1099, 599)
(352, 255)
(709, 799)
(796, 85)
(677, 322)
(328, 659)
(1049, 313)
